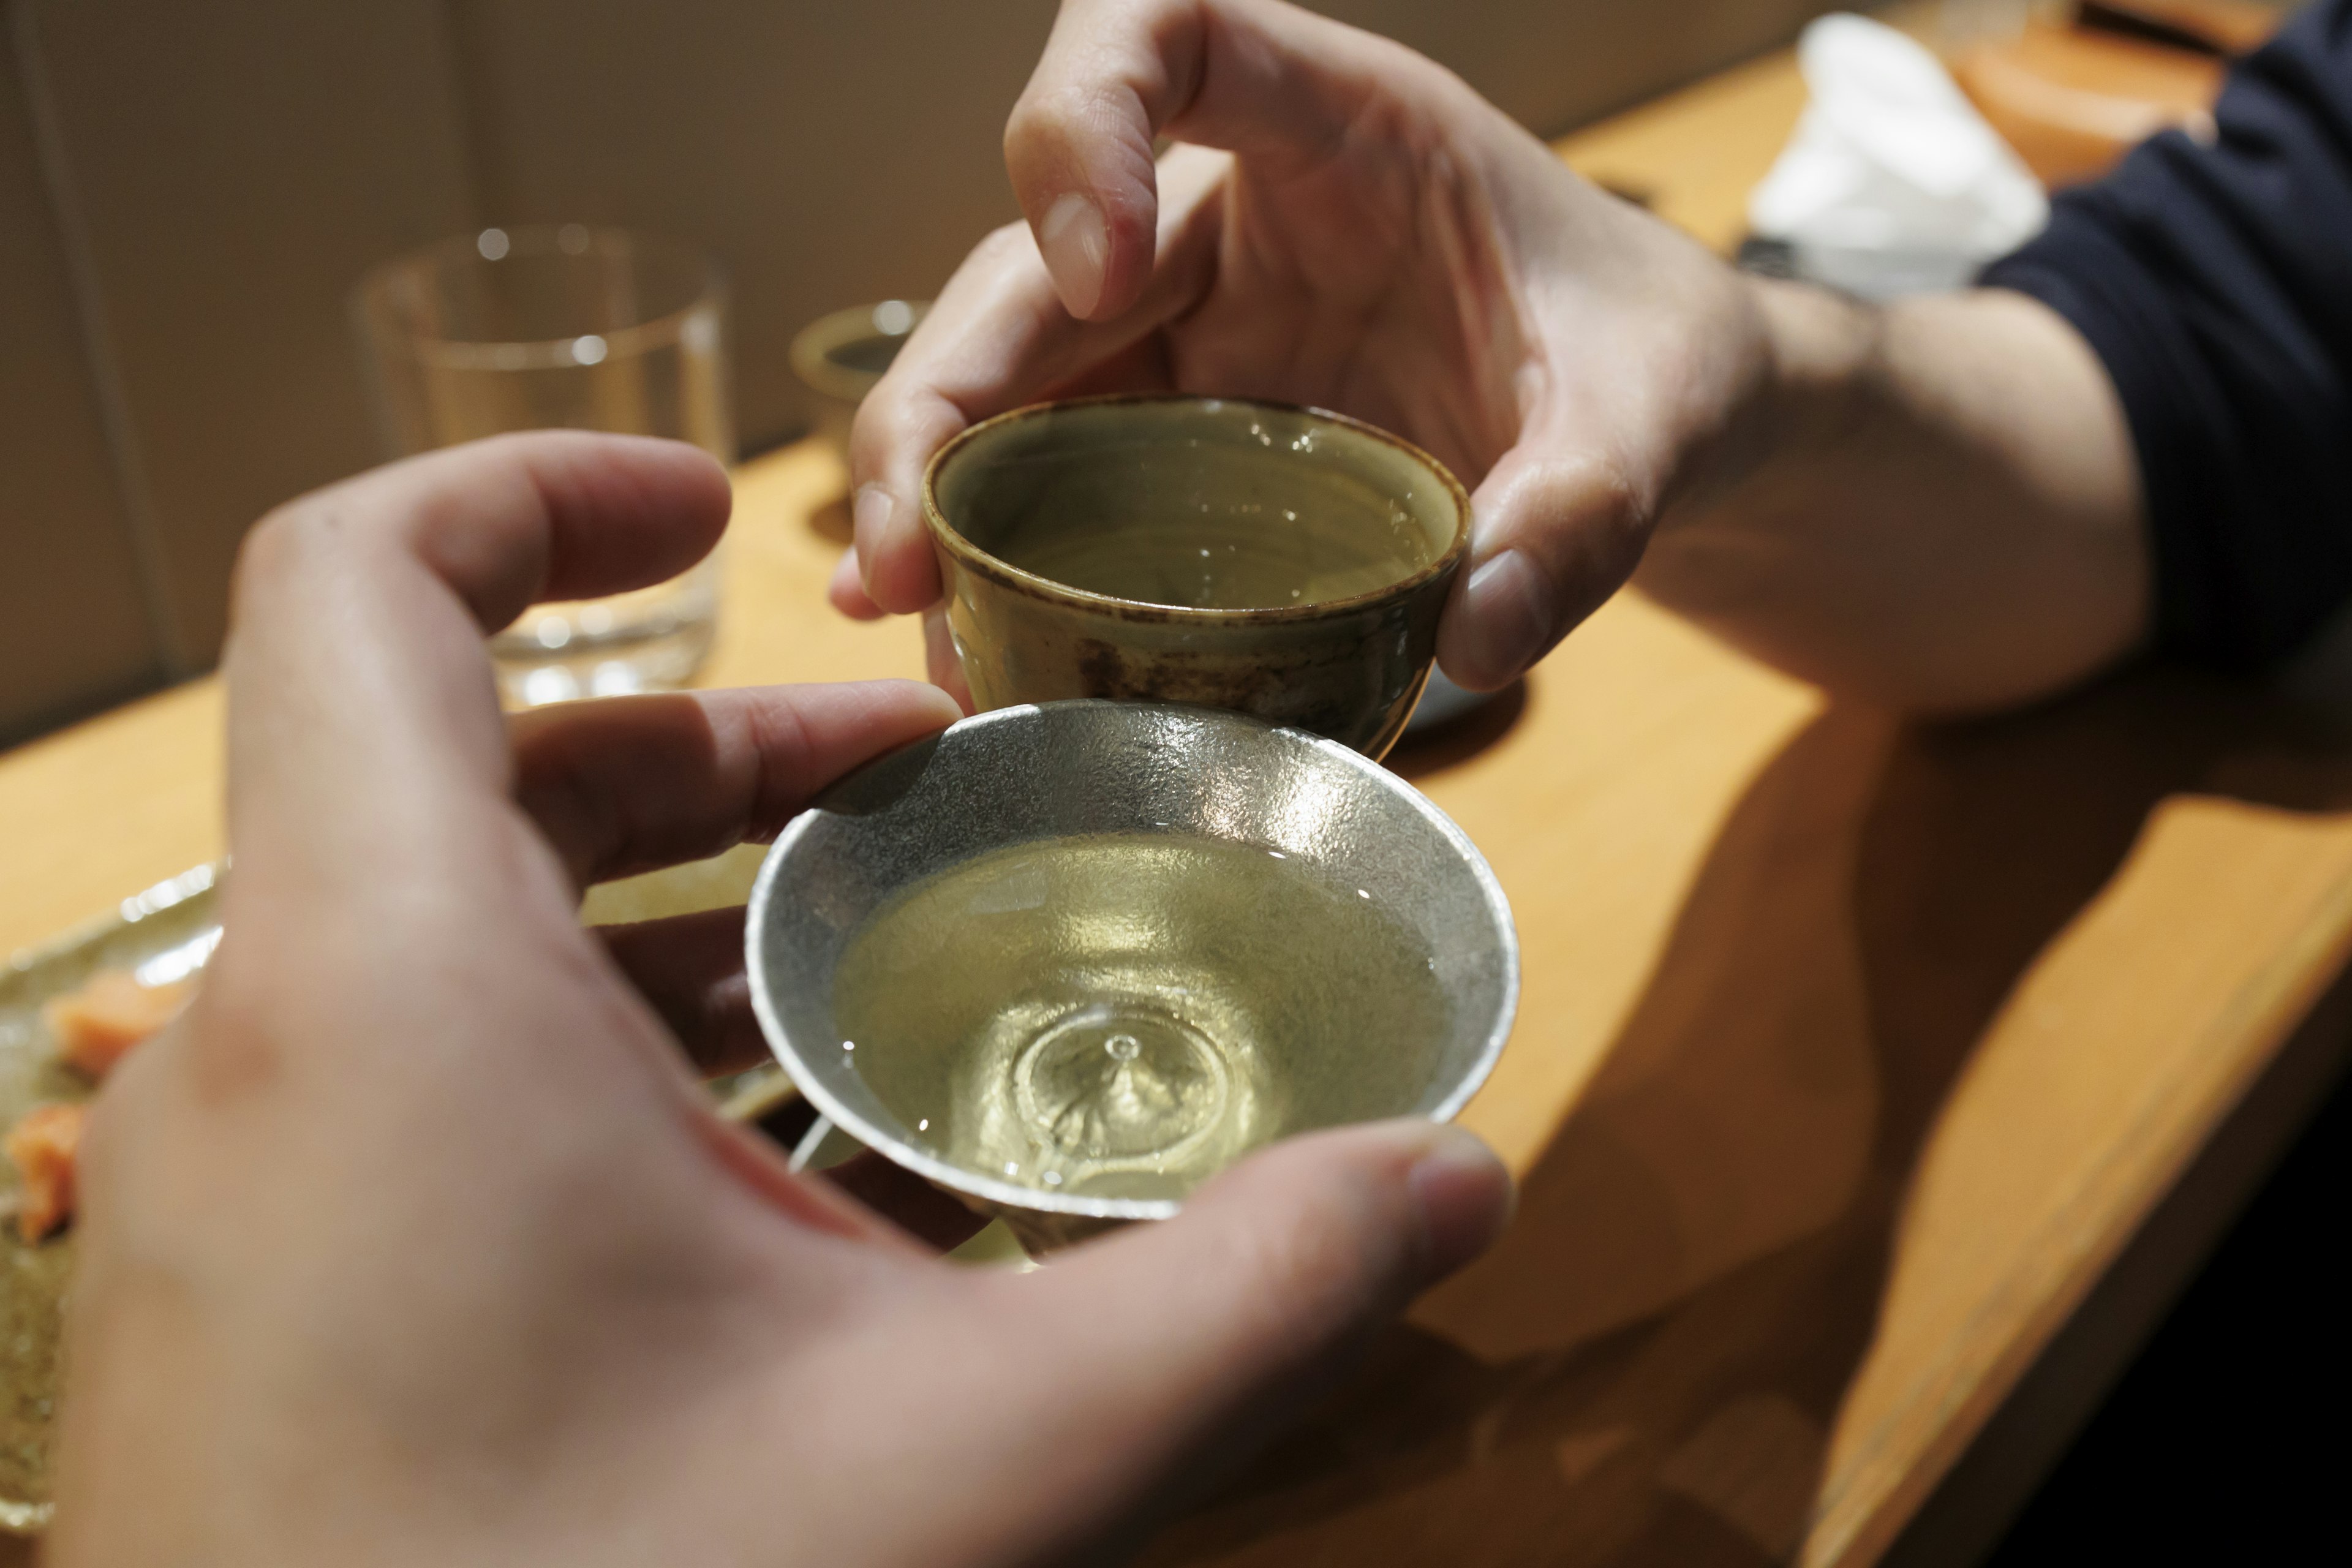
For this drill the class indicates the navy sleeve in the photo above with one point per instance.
(2215, 282)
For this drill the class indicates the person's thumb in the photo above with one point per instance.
(1204, 1327)
(1557, 532)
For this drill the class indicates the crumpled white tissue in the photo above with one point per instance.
(1893, 183)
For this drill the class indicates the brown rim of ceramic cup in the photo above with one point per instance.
(1008, 575)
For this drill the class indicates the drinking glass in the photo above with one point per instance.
(572, 327)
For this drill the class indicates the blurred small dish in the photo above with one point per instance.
(839, 357)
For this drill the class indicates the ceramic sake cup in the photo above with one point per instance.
(1285, 562)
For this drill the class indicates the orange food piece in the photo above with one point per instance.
(95, 1025)
(43, 1145)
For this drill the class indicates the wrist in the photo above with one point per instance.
(1822, 353)
(1800, 409)
(1810, 357)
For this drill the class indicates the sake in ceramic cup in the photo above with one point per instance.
(1285, 562)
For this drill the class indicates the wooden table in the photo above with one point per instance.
(1873, 1086)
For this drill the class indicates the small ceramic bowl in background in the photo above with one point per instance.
(839, 357)
(1325, 548)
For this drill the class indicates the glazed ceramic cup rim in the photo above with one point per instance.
(788, 1053)
(971, 555)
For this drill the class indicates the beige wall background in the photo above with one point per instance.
(188, 187)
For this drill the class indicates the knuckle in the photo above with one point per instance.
(283, 544)
(227, 1041)
(1596, 492)
(874, 433)
(1615, 497)
(1047, 121)
(1001, 245)
(1031, 117)
(1627, 511)
(279, 537)
(870, 430)
(895, 417)
(1587, 530)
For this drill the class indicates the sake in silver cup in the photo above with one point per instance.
(1028, 773)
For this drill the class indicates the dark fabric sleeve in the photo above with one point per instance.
(2215, 282)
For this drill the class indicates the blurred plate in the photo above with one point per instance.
(165, 934)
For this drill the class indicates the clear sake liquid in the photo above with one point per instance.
(1123, 1015)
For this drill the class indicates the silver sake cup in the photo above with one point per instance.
(1080, 770)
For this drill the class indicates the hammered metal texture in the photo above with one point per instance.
(1027, 773)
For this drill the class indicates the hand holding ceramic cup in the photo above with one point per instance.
(1280, 562)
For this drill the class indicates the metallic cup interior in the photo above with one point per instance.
(1032, 772)
(1350, 669)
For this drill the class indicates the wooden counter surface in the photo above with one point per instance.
(1853, 1057)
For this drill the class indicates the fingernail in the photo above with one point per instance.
(1464, 1196)
(1077, 244)
(1508, 608)
(869, 514)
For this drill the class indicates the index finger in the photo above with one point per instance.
(1261, 78)
(633, 784)
(996, 339)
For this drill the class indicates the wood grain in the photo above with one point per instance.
(1851, 1056)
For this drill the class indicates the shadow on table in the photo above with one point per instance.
(1420, 757)
(1648, 1368)
(830, 520)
